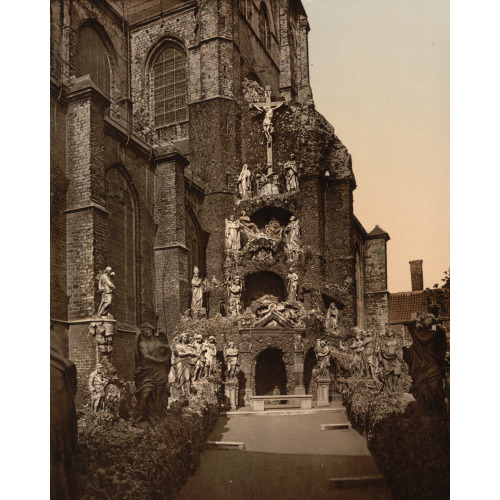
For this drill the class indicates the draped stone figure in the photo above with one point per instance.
(332, 318)
(107, 289)
(198, 363)
(233, 236)
(426, 361)
(322, 352)
(245, 183)
(184, 355)
(151, 375)
(368, 355)
(234, 291)
(210, 356)
(274, 230)
(249, 227)
(292, 234)
(357, 347)
(391, 357)
(196, 290)
(97, 387)
(292, 286)
(291, 174)
(231, 359)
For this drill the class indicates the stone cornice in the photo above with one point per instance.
(89, 206)
(84, 89)
(172, 156)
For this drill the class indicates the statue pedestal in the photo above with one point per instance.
(230, 391)
(299, 390)
(323, 392)
(247, 396)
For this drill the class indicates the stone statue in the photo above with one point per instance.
(357, 347)
(210, 356)
(426, 361)
(268, 108)
(234, 290)
(391, 357)
(292, 236)
(368, 355)
(107, 289)
(291, 174)
(274, 230)
(231, 359)
(151, 375)
(252, 91)
(332, 318)
(250, 227)
(233, 237)
(196, 290)
(322, 352)
(273, 185)
(183, 358)
(97, 386)
(244, 183)
(292, 286)
(199, 361)
(298, 345)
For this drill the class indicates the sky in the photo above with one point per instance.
(379, 73)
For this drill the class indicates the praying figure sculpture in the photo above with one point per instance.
(332, 318)
(196, 290)
(291, 174)
(234, 290)
(292, 286)
(107, 289)
(244, 183)
(233, 236)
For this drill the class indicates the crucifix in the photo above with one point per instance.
(268, 107)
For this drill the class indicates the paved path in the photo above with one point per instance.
(285, 457)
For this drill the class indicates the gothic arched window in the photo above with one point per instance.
(121, 245)
(169, 87)
(264, 26)
(92, 58)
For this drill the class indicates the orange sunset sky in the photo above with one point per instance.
(380, 75)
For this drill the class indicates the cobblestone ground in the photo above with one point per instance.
(285, 457)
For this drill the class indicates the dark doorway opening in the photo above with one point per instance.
(270, 373)
(309, 364)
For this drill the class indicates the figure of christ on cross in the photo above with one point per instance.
(268, 107)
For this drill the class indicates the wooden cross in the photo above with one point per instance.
(268, 107)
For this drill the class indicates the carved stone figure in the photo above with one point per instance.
(292, 236)
(274, 230)
(298, 345)
(245, 183)
(151, 375)
(252, 91)
(357, 347)
(291, 174)
(322, 352)
(231, 359)
(234, 290)
(210, 356)
(426, 361)
(107, 289)
(268, 108)
(391, 357)
(199, 361)
(368, 355)
(103, 335)
(97, 386)
(292, 286)
(233, 238)
(196, 290)
(273, 186)
(249, 227)
(332, 318)
(183, 358)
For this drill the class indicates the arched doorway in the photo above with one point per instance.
(309, 364)
(270, 372)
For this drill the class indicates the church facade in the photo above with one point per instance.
(184, 138)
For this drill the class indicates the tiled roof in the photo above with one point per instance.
(403, 304)
(378, 231)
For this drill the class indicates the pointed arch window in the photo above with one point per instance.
(169, 87)
(264, 26)
(92, 58)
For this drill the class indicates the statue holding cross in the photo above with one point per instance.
(268, 107)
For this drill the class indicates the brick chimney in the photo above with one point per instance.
(417, 276)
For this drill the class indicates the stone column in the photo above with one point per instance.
(246, 369)
(86, 215)
(171, 253)
(299, 368)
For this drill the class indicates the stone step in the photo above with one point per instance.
(335, 427)
(224, 445)
(342, 483)
(281, 413)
